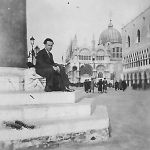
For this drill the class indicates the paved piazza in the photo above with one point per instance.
(129, 114)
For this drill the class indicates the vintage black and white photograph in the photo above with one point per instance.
(74, 74)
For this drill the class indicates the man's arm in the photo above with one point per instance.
(41, 61)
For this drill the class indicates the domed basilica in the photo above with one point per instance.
(102, 60)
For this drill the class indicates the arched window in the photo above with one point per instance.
(128, 41)
(138, 36)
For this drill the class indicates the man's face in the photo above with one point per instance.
(49, 45)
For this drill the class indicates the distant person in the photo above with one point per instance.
(116, 85)
(86, 85)
(105, 85)
(56, 78)
(124, 85)
(120, 85)
(100, 86)
(89, 85)
(92, 85)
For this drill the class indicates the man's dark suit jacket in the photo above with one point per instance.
(44, 67)
(43, 60)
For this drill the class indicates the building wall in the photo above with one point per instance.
(136, 55)
(141, 22)
(13, 46)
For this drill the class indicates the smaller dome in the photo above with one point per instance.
(110, 35)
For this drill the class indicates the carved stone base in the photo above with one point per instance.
(11, 79)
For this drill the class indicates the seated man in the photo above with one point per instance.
(56, 78)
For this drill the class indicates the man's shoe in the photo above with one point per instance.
(69, 90)
(47, 89)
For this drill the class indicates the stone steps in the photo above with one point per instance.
(28, 98)
(97, 121)
(58, 117)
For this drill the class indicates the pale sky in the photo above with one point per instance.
(60, 21)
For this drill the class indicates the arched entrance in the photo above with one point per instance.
(85, 69)
(100, 75)
(100, 68)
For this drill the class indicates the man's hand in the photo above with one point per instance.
(56, 68)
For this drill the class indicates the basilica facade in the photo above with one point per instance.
(102, 60)
(136, 50)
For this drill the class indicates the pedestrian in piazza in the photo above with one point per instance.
(120, 85)
(100, 86)
(89, 85)
(116, 85)
(92, 85)
(86, 85)
(124, 85)
(105, 85)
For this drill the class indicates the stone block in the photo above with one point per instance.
(11, 79)
(10, 83)
(32, 81)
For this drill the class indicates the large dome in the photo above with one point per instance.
(110, 35)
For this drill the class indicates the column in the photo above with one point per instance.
(133, 77)
(13, 45)
(148, 77)
(13, 51)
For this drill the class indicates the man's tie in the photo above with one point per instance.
(49, 54)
